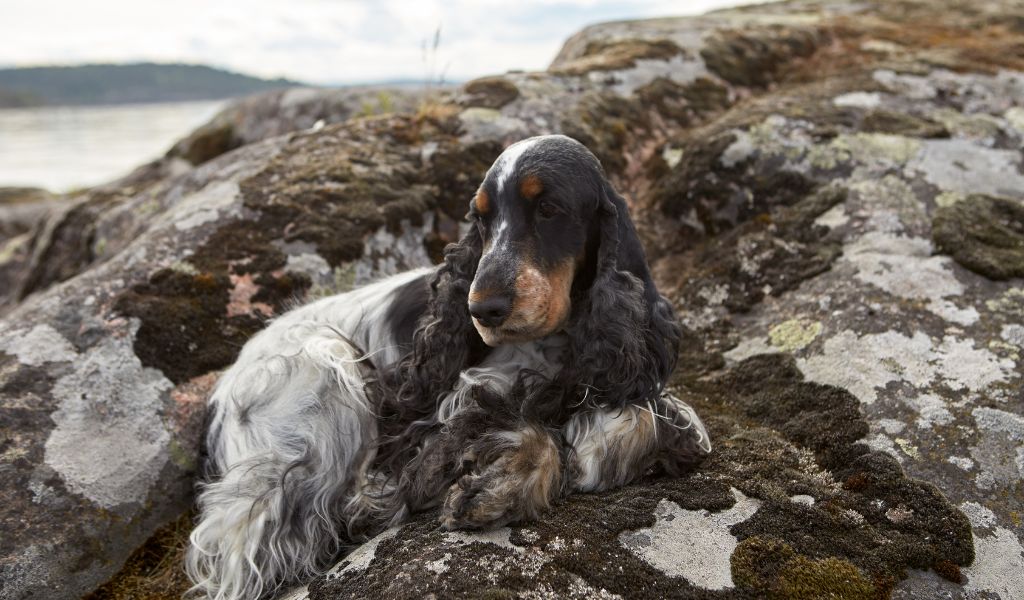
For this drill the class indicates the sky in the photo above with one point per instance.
(314, 41)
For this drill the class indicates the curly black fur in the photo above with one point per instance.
(623, 346)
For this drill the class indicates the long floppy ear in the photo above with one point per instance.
(624, 337)
(444, 343)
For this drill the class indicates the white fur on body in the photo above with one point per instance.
(295, 396)
(293, 409)
(296, 393)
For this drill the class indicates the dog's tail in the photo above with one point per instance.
(290, 441)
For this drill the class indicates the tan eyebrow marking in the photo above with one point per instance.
(531, 187)
(482, 201)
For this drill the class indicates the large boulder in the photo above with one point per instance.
(830, 193)
(283, 111)
(71, 233)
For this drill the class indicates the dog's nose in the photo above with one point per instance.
(491, 311)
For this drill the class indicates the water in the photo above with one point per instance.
(63, 148)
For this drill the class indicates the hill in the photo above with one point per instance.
(116, 84)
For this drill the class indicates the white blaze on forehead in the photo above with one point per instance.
(500, 241)
(506, 163)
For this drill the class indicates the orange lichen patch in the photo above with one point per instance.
(482, 202)
(190, 399)
(242, 290)
(531, 186)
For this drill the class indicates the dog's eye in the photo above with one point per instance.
(546, 210)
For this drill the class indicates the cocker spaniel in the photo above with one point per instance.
(532, 363)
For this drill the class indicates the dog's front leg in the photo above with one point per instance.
(510, 476)
(609, 447)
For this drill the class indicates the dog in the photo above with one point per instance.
(531, 364)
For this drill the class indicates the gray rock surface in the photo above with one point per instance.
(828, 192)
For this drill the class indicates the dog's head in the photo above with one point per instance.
(545, 215)
(551, 248)
(534, 214)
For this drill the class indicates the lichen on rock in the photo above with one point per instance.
(830, 194)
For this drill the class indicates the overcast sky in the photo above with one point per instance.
(317, 41)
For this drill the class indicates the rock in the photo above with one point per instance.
(267, 115)
(829, 192)
(489, 92)
(94, 225)
(23, 211)
(105, 375)
(984, 234)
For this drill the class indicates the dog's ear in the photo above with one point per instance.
(443, 344)
(624, 337)
(445, 336)
(455, 276)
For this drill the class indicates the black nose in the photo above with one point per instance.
(491, 311)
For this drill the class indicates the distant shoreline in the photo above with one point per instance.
(118, 84)
(111, 105)
(150, 83)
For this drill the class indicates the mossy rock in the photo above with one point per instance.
(757, 57)
(984, 234)
(616, 55)
(489, 92)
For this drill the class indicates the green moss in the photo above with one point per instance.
(12, 195)
(757, 560)
(834, 578)
(794, 334)
(706, 96)
(948, 198)
(771, 568)
(984, 234)
(12, 247)
(606, 123)
(863, 148)
(185, 459)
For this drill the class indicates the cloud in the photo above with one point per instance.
(319, 41)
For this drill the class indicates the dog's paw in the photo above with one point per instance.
(491, 498)
(516, 484)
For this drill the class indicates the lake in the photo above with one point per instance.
(63, 148)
